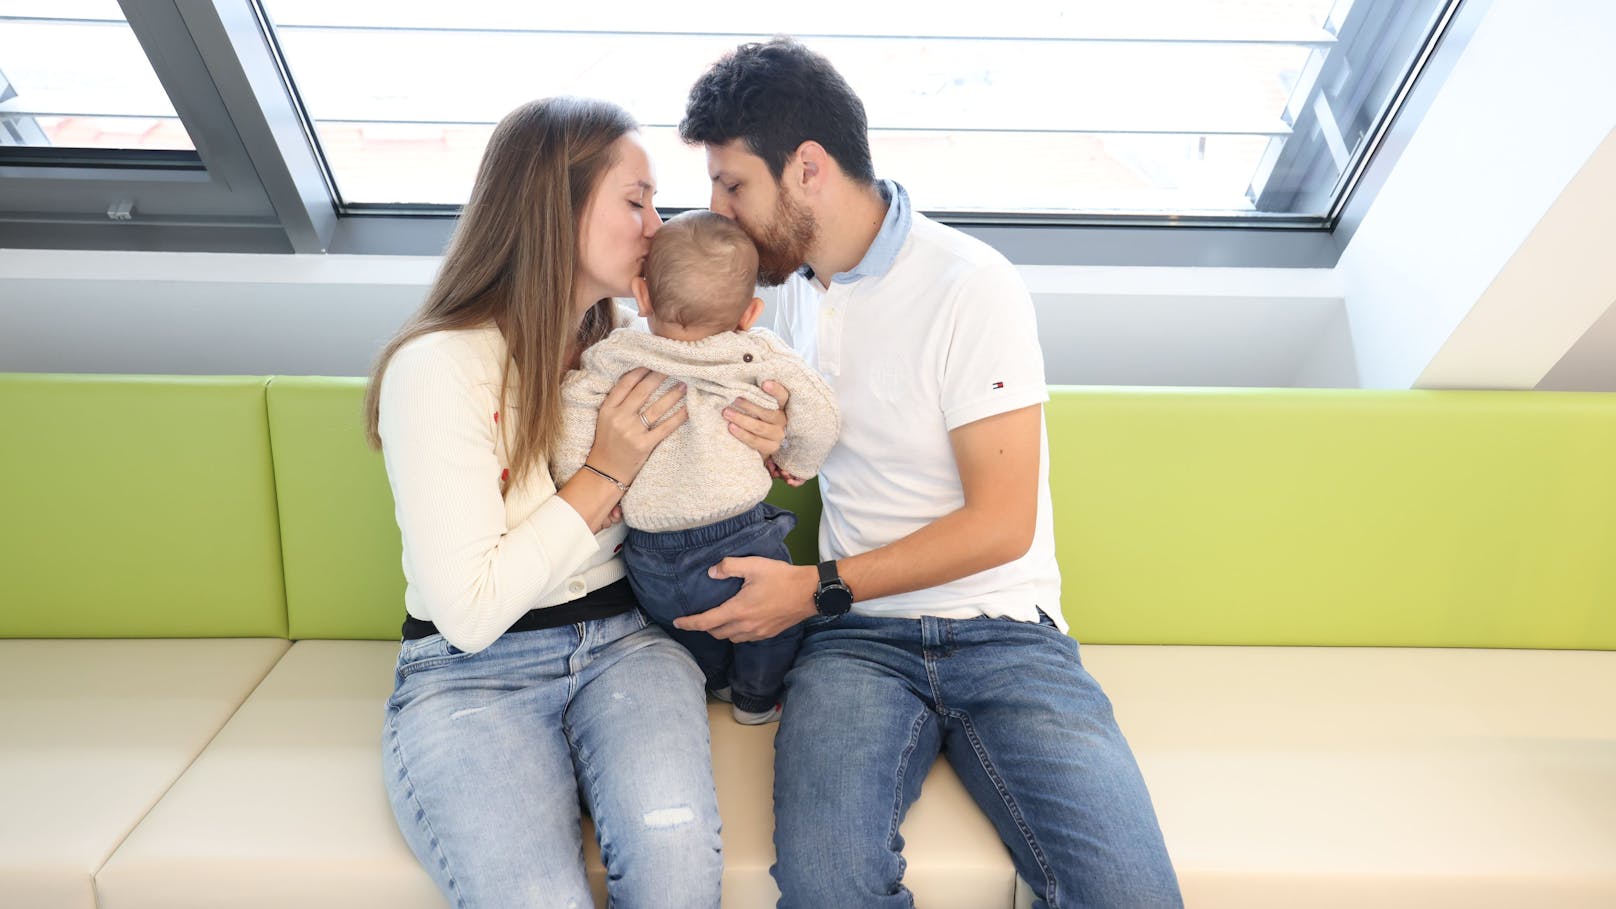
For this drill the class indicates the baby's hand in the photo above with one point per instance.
(760, 431)
(614, 517)
(779, 474)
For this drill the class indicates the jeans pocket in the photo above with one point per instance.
(426, 653)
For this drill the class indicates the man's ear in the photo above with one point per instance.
(642, 294)
(812, 166)
(753, 310)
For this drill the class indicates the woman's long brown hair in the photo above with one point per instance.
(513, 258)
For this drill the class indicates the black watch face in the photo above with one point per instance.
(833, 600)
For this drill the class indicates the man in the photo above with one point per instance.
(935, 623)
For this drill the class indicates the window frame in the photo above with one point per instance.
(260, 183)
(237, 195)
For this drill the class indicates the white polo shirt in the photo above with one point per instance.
(916, 344)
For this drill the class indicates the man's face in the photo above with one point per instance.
(745, 192)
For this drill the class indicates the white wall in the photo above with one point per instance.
(1548, 295)
(1591, 364)
(1485, 260)
(1519, 116)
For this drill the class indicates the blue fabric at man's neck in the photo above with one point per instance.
(884, 248)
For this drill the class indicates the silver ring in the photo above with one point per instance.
(643, 422)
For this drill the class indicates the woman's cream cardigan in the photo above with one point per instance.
(479, 551)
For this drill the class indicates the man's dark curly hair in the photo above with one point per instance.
(776, 96)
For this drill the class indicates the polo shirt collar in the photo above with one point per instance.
(889, 239)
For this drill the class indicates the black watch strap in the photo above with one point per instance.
(827, 572)
(833, 597)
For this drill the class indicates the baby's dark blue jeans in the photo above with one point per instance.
(668, 572)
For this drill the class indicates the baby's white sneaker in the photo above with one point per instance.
(756, 717)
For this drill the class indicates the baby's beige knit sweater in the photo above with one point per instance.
(701, 473)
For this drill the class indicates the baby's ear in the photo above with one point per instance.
(753, 310)
(642, 294)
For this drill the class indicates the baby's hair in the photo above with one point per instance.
(702, 271)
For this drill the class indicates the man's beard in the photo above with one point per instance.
(783, 244)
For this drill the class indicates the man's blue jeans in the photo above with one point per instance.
(486, 756)
(668, 572)
(870, 704)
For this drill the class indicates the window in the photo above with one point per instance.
(1244, 110)
(74, 79)
(1061, 133)
(142, 126)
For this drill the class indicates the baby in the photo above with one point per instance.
(699, 498)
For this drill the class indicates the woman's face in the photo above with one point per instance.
(617, 225)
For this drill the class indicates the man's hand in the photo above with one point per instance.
(774, 596)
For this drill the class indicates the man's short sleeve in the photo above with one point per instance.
(994, 364)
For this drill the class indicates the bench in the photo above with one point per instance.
(1361, 643)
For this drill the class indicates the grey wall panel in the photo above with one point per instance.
(157, 324)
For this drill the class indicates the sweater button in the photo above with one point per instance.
(575, 587)
(746, 358)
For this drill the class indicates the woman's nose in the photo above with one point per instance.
(653, 220)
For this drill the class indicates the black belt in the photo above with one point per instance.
(614, 599)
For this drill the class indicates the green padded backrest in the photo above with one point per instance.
(1450, 519)
(340, 540)
(137, 507)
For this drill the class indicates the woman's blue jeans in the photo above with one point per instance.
(871, 703)
(488, 754)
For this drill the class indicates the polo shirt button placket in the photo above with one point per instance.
(830, 339)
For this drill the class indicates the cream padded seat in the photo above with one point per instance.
(1320, 777)
(95, 732)
(286, 808)
(1350, 777)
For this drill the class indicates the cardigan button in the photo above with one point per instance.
(746, 358)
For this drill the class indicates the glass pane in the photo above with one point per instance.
(1169, 106)
(905, 84)
(1129, 173)
(72, 75)
(1287, 21)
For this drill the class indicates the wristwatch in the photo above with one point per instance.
(833, 597)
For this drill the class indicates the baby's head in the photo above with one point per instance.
(699, 278)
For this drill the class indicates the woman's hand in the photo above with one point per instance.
(761, 431)
(626, 429)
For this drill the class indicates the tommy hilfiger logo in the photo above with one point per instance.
(997, 385)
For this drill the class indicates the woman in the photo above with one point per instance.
(527, 679)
